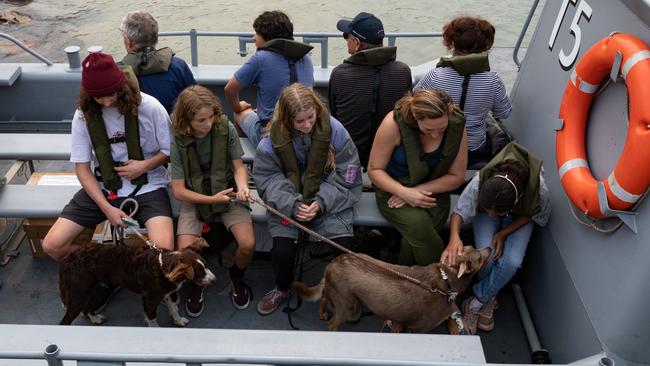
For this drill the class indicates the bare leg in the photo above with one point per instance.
(245, 237)
(161, 231)
(58, 241)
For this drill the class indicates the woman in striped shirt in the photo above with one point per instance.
(469, 39)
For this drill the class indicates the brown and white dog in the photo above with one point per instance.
(351, 281)
(149, 272)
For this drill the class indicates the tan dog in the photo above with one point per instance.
(350, 281)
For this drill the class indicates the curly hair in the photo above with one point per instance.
(273, 24)
(497, 193)
(188, 103)
(128, 100)
(465, 35)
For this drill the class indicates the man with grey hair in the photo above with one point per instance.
(160, 73)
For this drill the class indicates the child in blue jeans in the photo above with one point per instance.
(504, 201)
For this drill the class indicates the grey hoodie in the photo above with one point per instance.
(338, 192)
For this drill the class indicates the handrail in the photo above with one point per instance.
(26, 48)
(308, 37)
(524, 28)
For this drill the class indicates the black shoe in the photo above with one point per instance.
(103, 294)
(194, 303)
(241, 294)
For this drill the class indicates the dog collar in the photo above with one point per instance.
(450, 293)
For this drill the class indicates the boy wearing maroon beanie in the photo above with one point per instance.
(126, 133)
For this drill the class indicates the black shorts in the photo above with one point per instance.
(84, 211)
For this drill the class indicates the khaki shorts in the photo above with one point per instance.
(189, 223)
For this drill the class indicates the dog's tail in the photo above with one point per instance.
(309, 293)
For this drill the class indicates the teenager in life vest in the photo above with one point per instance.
(307, 167)
(467, 78)
(504, 202)
(126, 133)
(419, 155)
(207, 173)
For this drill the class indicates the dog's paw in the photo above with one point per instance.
(324, 316)
(96, 318)
(151, 322)
(181, 321)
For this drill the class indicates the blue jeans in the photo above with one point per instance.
(495, 275)
(252, 127)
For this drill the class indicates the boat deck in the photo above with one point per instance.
(29, 295)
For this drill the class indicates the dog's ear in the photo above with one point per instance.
(462, 268)
(198, 244)
(182, 270)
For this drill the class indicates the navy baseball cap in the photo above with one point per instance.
(364, 26)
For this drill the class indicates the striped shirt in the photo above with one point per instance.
(486, 92)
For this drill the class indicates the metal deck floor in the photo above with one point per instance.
(30, 295)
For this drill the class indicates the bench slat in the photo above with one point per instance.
(35, 201)
(47, 146)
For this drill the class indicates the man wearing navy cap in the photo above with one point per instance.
(365, 87)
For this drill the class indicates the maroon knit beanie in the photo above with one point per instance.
(100, 75)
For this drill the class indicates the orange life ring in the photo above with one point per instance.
(631, 176)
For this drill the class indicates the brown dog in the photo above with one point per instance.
(351, 281)
(149, 272)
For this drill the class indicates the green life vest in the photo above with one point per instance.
(219, 167)
(318, 151)
(467, 64)
(373, 56)
(528, 203)
(418, 169)
(149, 61)
(292, 50)
(102, 145)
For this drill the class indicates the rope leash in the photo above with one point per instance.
(133, 224)
(450, 295)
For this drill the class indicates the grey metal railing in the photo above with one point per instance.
(524, 28)
(26, 48)
(307, 37)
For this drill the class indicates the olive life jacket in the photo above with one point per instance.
(466, 65)
(291, 50)
(318, 151)
(528, 201)
(376, 56)
(149, 60)
(102, 143)
(418, 168)
(219, 167)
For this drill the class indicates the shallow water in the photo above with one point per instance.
(57, 24)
